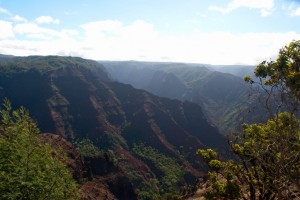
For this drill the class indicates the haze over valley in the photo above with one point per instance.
(140, 100)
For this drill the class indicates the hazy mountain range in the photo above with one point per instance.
(152, 139)
(223, 97)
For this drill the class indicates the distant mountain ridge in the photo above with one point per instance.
(75, 98)
(223, 97)
(237, 70)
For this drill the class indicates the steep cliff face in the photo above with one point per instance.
(97, 176)
(75, 99)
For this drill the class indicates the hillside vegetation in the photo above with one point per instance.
(76, 99)
(28, 169)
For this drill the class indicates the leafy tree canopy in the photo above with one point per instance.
(27, 168)
(268, 154)
(269, 162)
(281, 76)
(87, 148)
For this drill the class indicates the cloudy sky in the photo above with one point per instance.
(201, 31)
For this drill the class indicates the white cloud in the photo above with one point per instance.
(140, 41)
(265, 6)
(62, 46)
(18, 18)
(6, 30)
(96, 30)
(46, 20)
(113, 40)
(291, 9)
(2, 10)
(107, 25)
(34, 31)
(70, 32)
(295, 12)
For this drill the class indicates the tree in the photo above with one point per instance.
(87, 148)
(269, 162)
(268, 154)
(280, 79)
(27, 168)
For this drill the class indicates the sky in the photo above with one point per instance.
(197, 31)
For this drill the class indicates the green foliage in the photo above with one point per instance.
(282, 75)
(27, 168)
(223, 185)
(248, 79)
(269, 161)
(146, 188)
(285, 70)
(109, 140)
(207, 154)
(169, 172)
(170, 197)
(228, 189)
(42, 64)
(87, 148)
(268, 165)
(149, 190)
